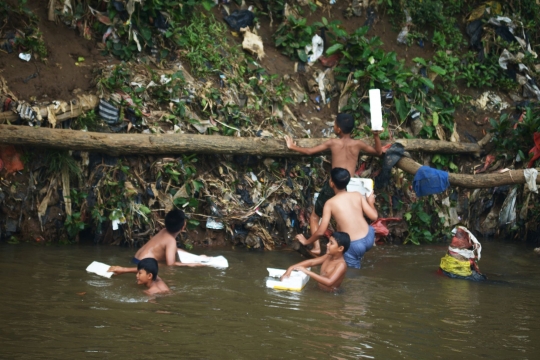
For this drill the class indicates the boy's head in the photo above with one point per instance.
(147, 270)
(345, 124)
(340, 240)
(175, 221)
(340, 177)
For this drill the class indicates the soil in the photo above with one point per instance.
(58, 75)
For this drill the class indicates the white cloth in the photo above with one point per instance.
(476, 244)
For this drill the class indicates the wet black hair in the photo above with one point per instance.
(174, 221)
(342, 239)
(345, 122)
(340, 177)
(150, 266)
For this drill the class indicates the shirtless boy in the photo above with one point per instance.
(333, 265)
(345, 151)
(147, 270)
(161, 247)
(348, 209)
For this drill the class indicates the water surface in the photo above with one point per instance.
(396, 307)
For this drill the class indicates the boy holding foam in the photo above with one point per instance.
(345, 151)
(162, 246)
(348, 209)
(333, 266)
(147, 270)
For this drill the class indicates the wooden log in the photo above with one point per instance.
(125, 144)
(471, 181)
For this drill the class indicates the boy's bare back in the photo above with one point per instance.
(158, 247)
(348, 209)
(345, 152)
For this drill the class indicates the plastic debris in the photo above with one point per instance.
(252, 43)
(535, 150)
(25, 56)
(404, 33)
(315, 50)
(11, 159)
(507, 215)
(530, 178)
(108, 112)
(490, 101)
(211, 223)
(240, 19)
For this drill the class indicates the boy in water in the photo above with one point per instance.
(147, 270)
(348, 209)
(333, 266)
(162, 246)
(345, 151)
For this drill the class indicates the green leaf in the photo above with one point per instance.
(427, 82)
(207, 4)
(437, 69)
(402, 107)
(332, 49)
(435, 118)
(324, 21)
(302, 55)
(453, 166)
(145, 210)
(420, 61)
(424, 217)
(407, 216)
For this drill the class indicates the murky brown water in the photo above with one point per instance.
(396, 307)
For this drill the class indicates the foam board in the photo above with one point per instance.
(375, 109)
(295, 282)
(214, 261)
(99, 269)
(362, 185)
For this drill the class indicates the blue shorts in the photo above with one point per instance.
(135, 261)
(358, 248)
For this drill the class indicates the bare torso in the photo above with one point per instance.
(158, 287)
(327, 269)
(346, 209)
(345, 153)
(156, 247)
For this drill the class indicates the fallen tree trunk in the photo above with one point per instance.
(129, 144)
(135, 144)
(471, 181)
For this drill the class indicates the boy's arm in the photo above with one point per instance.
(304, 264)
(372, 150)
(325, 220)
(306, 151)
(368, 207)
(118, 270)
(328, 281)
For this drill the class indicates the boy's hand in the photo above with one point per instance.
(301, 238)
(300, 268)
(117, 270)
(290, 142)
(286, 275)
(377, 132)
(371, 198)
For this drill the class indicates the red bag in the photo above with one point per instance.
(380, 227)
(535, 150)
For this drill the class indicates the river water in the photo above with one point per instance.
(396, 307)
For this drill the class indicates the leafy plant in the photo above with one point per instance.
(423, 226)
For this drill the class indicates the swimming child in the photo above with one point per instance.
(147, 270)
(162, 246)
(348, 209)
(345, 151)
(333, 266)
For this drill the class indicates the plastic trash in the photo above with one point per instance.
(530, 178)
(535, 150)
(315, 50)
(100, 269)
(109, 113)
(240, 19)
(11, 159)
(253, 43)
(25, 57)
(507, 216)
(211, 223)
(404, 33)
(218, 262)
(362, 185)
(375, 109)
(295, 282)
(428, 181)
